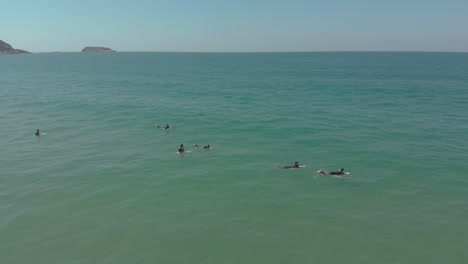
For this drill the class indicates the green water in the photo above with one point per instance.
(105, 185)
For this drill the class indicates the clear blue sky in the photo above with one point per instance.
(236, 25)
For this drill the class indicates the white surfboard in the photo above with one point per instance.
(292, 167)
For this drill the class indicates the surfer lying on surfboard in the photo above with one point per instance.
(166, 127)
(205, 147)
(295, 165)
(338, 172)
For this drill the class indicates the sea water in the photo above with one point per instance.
(105, 185)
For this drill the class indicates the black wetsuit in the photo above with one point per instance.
(336, 172)
(291, 166)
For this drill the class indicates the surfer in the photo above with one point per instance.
(207, 146)
(338, 172)
(38, 132)
(195, 146)
(181, 148)
(166, 127)
(294, 166)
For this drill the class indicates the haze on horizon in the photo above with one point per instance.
(236, 25)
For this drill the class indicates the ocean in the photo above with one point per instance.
(103, 184)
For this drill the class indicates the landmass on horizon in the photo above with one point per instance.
(6, 48)
(97, 49)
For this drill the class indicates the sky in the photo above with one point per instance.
(236, 25)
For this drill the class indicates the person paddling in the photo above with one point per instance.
(338, 172)
(294, 166)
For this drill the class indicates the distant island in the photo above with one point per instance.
(6, 48)
(97, 49)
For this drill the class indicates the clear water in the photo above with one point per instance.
(105, 185)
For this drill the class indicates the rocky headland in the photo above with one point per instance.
(6, 48)
(97, 49)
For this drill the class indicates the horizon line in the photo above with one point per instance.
(305, 51)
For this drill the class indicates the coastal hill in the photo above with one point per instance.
(97, 49)
(6, 48)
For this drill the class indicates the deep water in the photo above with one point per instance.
(105, 185)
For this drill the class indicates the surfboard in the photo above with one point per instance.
(187, 151)
(338, 176)
(291, 167)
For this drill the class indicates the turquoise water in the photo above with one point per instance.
(105, 185)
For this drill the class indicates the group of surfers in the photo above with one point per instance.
(182, 148)
(295, 165)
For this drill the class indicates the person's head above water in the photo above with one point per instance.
(342, 169)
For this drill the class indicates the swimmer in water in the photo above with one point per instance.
(38, 132)
(296, 164)
(207, 146)
(181, 148)
(339, 172)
